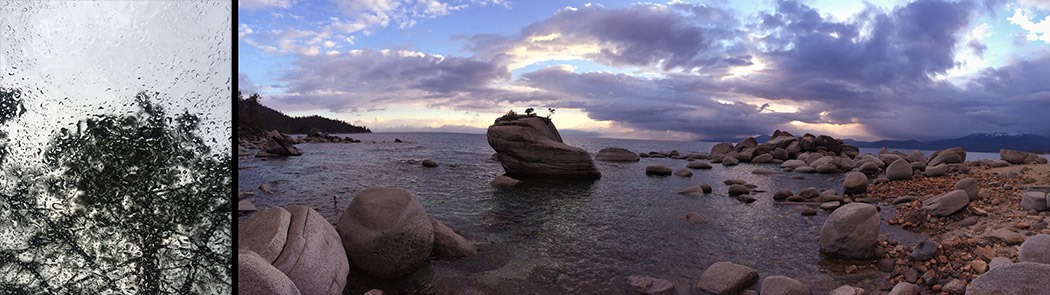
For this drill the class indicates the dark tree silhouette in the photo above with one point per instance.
(143, 207)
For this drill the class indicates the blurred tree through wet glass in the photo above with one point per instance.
(115, 166)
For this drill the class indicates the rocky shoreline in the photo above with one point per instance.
(981, 236)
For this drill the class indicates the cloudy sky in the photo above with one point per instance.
(882, 69)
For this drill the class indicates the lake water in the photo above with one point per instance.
(579, 238)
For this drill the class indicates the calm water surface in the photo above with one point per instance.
(579, 238)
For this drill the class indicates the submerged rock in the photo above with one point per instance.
(429, 163)
(698, 165)
(447, 243)
(616, 155)
(530, 146)
(650, 285)
(657, 170)
(683, 172)
(504, 181)
(386, 232)
(693, 218)
(725, 278)
(781, 285)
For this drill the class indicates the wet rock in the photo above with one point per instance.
(809, 193)
(1035, 249)
(737, 189)
(684, 172)
(827, 169)
(805, 169)
(1013, 279)
(884, 264)
(970, 186)
(241, 195)
(267, 187)
(530, 146)
(245, 206)
(808, 211)
(946, 204)
(955, 287)
(781, 285)
(854, 183)
(449, 244)
(725, 278)
(924, 251)
(386, 232)
(706, 188)
(657, 170)
(798, 177)
(851, 231)
(746, 198)
(693, 218)
(781, 194)
(730, 161)
(374, 292)
(847, 290)
(429, 163)
(312, 257)
(504, 181)
(899, 170)
(691, 190)
(734, 181)
(698, 165)
(650, 285)
(265, 233)
(905, 288)
(616, 155)
(256, 276)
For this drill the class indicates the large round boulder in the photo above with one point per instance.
(854, 183)
(530, 146)
(899, 170)
(657, 170)
(616, 155)
(1022, 278)
(934, 171)
(312, 257)
(851, 231)
(386, 232)
(256, 276)
(722, 148)
(1035, 249)
(916, 156)
(265, 233)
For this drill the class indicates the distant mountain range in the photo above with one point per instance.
(255, 118)
(977, 142)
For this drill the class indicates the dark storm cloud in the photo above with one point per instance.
(878, 69)
(370, 78)
(638, 35)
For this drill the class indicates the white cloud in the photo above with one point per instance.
(1036, 30)
(261, 4)
(329, 44)
(244, 30)
(1040, 4)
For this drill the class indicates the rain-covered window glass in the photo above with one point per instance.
(114, 147)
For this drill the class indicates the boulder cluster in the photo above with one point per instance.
(384, 232)
(1019, 157)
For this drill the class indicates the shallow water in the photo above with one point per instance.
(580, 238)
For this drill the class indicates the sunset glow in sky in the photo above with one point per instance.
(682, 70)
